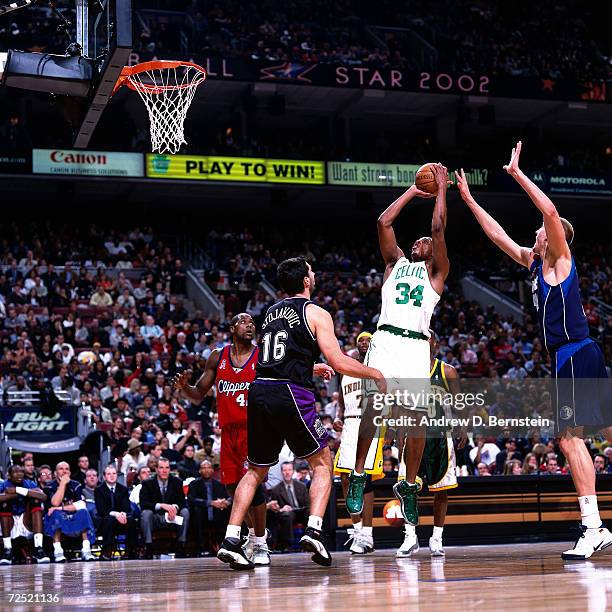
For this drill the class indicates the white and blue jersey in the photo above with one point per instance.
(581, 390)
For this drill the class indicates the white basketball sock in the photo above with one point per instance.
(316, 522)
(261, 540)
(409, 528)
(7, 543)
(86, 546)
(437, 532)
(57, 547)
(358, 526)
(589, 511)
(233, 531)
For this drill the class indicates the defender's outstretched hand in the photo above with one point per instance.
(462, 184)
(513, 167)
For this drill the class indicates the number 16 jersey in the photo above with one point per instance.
(408, 299)
(288, 348)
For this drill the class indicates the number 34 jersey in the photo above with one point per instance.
(408, 299)
(232, 386)
(288, 348)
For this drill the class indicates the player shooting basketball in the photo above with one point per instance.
(399, 348)
(581, 397)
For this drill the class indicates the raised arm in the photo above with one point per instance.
(555, 232)
(386, 236)
(491, 227)
(441, 264)
(322, 326)
(196, 393)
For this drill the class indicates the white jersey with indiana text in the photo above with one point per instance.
(351, 394)
(408, 299)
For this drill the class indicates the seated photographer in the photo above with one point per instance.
(162, 502)
(114, 514)
(21, 513)
(67, 514)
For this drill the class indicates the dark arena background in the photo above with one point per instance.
(126, 250)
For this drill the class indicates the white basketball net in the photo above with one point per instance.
(167, 94)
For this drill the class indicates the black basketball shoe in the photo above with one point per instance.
(231, 552)
(40, 555)
(312, 541)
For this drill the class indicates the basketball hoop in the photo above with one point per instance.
(167, 88)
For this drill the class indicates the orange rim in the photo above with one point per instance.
(129, 71)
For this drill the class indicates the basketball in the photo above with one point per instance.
(392, 513)
(425, 179)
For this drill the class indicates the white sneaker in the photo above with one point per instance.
(261, 554)
(248, 546)
(409, 546)
(59, 557)
(368, 542)
(87, 556)
(591, 541)
(435, 547)
(357, 546)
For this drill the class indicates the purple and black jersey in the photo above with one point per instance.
(288, 349)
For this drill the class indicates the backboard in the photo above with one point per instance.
(104, 32)
(83, 78)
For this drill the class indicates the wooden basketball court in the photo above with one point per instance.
(501, 577)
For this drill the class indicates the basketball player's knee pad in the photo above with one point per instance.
(259, 497)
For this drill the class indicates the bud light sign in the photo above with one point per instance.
(27, 423)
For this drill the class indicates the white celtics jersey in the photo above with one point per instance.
(351, 393)
(408, 299)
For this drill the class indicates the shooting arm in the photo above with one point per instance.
(386, 236)
(441, 264)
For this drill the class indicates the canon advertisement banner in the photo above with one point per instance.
(572, 183)
(87, 163)
(28, 424)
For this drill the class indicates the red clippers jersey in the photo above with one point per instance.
(232, 386)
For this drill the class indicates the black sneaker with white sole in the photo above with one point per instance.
(231, 552)
(40, 555)
(7, 556)
(312, 541)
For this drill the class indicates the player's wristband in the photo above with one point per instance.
(21, 491)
